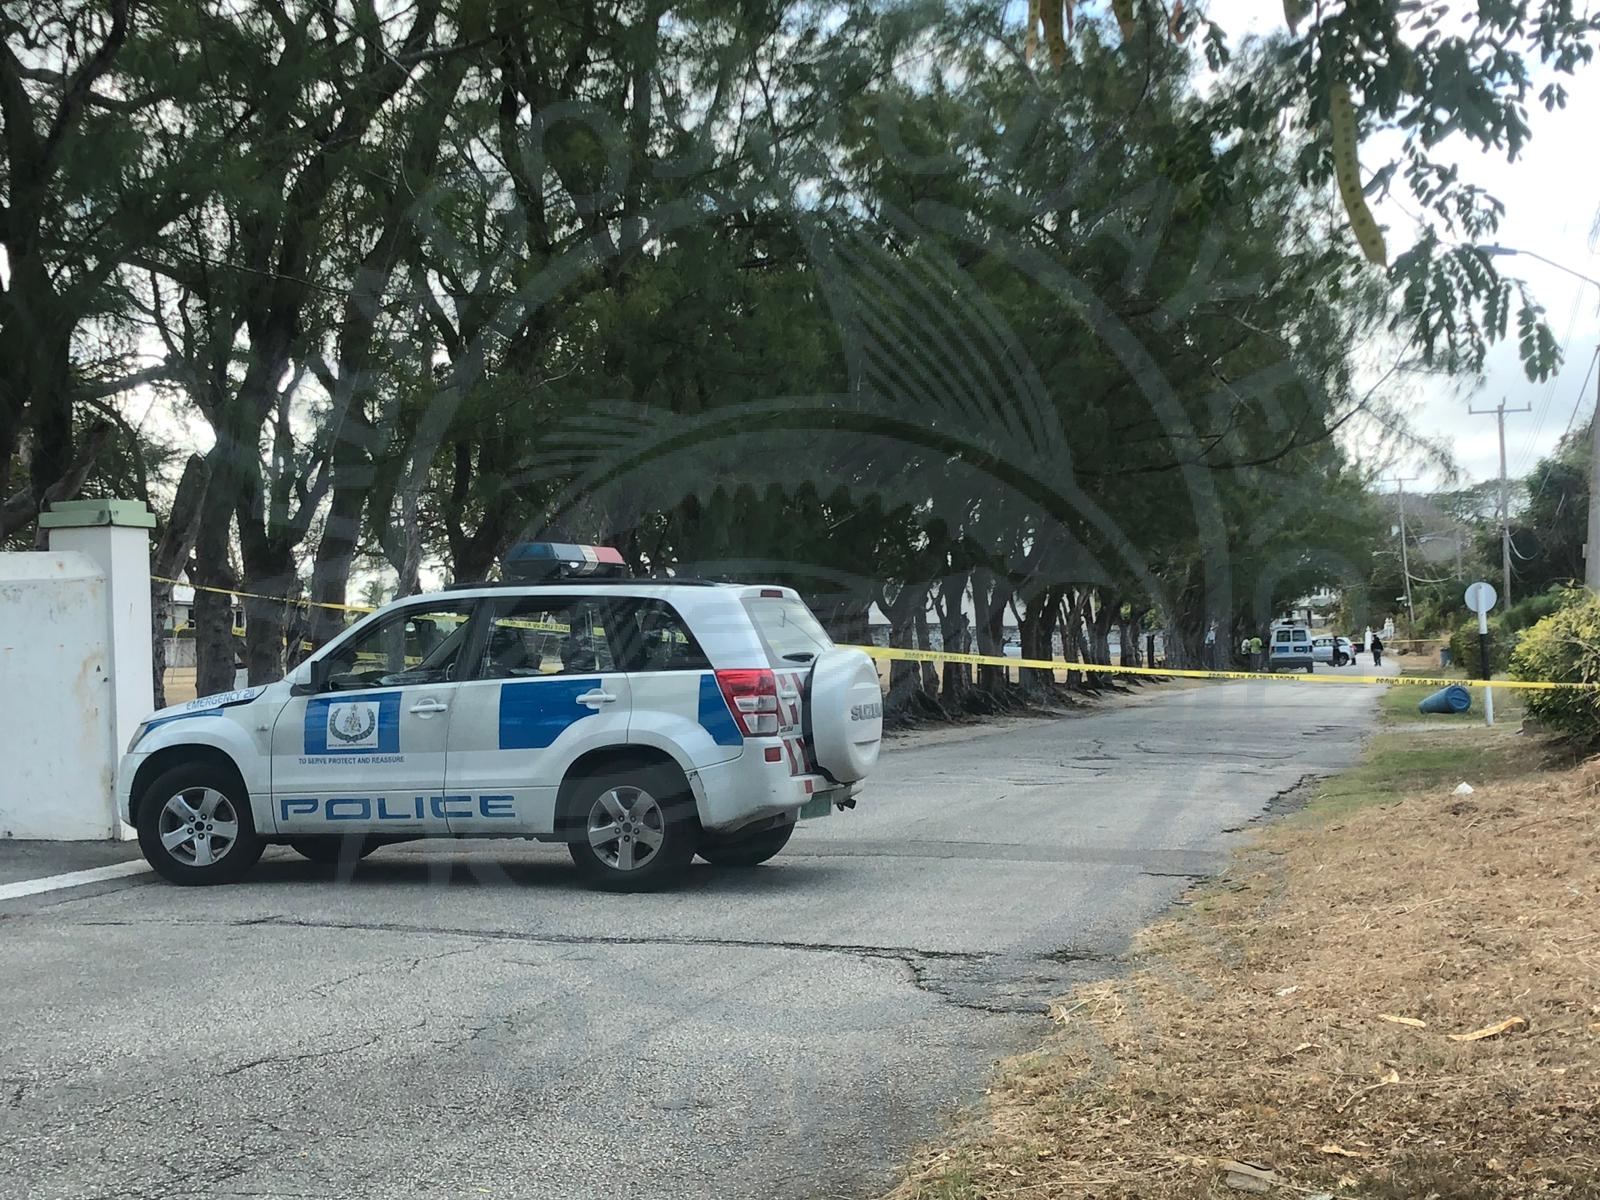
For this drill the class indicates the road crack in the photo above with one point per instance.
(574, 939)
(286, 1059)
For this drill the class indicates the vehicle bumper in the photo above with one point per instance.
(730, 795)
(127, 770)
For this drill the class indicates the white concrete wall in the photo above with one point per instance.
(123, 557)
(57, 708)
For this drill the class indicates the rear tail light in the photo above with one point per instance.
(752, 697)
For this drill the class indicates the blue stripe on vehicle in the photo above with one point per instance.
(206, 706)
(157, 722)
(715, 716)
(534, 714)
(388, 731)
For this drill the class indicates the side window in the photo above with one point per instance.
(653, 637)
(416, 645)
(540, 635)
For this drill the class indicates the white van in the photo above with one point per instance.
(1291, 649)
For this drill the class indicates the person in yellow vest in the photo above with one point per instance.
(1255, 653)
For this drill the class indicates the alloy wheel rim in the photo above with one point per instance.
(198, 827)
(626, 828)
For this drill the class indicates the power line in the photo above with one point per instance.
(1547, 398)
(1583, 393)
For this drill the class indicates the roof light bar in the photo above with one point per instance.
(531, 561)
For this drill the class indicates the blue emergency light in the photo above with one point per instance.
(530, 562)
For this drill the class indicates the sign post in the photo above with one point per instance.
(1480, 599)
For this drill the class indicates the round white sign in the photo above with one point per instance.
(1481, 596)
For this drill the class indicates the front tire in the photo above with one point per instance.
(746, 850)
(635, 831)
(195, 826)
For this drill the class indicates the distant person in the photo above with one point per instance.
(1255, 653)
(1377, 651)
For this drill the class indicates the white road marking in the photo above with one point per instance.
(52, 883)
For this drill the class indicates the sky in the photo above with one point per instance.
(1552, 199)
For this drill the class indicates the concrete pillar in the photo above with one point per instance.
(115, 536)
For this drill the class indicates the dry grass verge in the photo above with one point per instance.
(1302, 1017)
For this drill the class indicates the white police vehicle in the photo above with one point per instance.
(638, 720)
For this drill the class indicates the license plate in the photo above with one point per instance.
(817, 806)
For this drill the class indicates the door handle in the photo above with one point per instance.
(596, 698)
(428, 707)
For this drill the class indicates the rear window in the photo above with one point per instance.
(787, 628)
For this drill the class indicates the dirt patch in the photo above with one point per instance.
(1292, 799)
(1306, 1015)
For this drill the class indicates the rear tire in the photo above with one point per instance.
(195, 825)
(634, 830)
(747, 850)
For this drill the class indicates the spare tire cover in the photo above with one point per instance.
(845, 710)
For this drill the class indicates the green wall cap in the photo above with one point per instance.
(78, 514)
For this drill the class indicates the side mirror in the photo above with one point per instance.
(317, 679)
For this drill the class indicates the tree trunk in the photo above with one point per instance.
(956, 634)
(929, 670)
(269, 586)
(330, 569)
(904, 677)
(991, 595)
(216, 653)
(1036, 629)
(1127, 644)
(1072, 647)
(171, 553)
(1100, 630)
(213, 578)
(36, 378)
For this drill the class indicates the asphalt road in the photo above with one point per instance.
(461, 1021)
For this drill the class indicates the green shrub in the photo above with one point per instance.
(1464, 647)
(1564, 648)
(1506, 628)
(1530, 610)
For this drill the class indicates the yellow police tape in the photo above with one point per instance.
(991, 660)
(891, 653)
(360, 608)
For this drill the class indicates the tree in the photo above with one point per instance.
(285, 271)
(1548, 538)
(1427, 75)
(100, 150)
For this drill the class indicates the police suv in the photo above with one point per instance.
(640, 721)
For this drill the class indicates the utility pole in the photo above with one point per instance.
(1499, 413)
(1405, 558)
(1591, 546)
